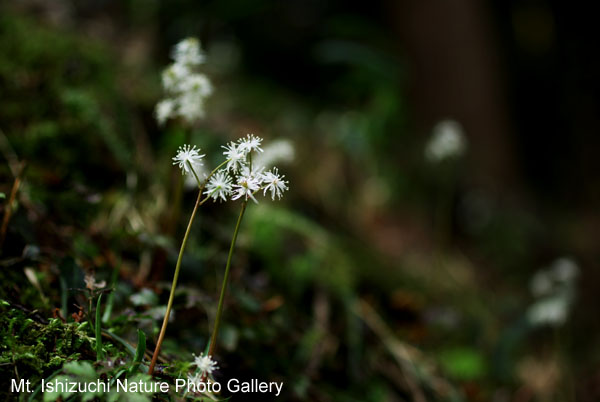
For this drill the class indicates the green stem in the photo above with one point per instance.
(174, 285)
(213, 339)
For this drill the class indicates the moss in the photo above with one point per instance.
(33, 350)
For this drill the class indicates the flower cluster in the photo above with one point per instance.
(554, 290)
(237, 177)
(186, 89)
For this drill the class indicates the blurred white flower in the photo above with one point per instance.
(250, 143)
(173, 76)
(274, 183)
(205, 364)
(447, 141)
(276, 151)
(196, 83)
(565, 270)
(219, 186)
(541, 284)
(187, 52)
(186, 90)
(188, 158)
(191, 106)
(235, 156)
(164, 110)
(549, 311)
(554, 288)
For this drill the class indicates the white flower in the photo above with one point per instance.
(173, 75)
(564, 270)
(552, 311)
(250, 143)
(541, 284)
(188, 52)
(274, 183)
(248, 182)
(448, 141)
(236, 157)
(219, 186)
(205, 364)
(164, 110)
(188, 158)
(196, 83)
(186, 89)
(191, 106)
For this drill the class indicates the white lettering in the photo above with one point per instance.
(279, 388)
(23, 386)
(233, 385)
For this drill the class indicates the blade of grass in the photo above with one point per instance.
(63, 296)
(140, 350)
(111, 296)
(122, 341)
(99, 354)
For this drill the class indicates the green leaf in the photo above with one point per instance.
(139, 351)
(83, 370)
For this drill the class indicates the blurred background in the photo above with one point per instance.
(439, 241)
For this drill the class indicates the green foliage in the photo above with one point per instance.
(463, 363)
(34, 349)
(140, 350)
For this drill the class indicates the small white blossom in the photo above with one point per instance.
(565, 270)
(235, 156)
(188, 52)
(555, 291)
(191, 106)
(164, 110)
(274, 183)
(250, 143)
(248, 182)
(448, 141)
(188, 158)
(173, 76)
(205, 364)
(196, 83)
(219, 186)
(549, 311)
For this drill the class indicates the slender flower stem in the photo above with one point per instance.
(199, 201)
(173, 286)
(213, 339)
(195, 175)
